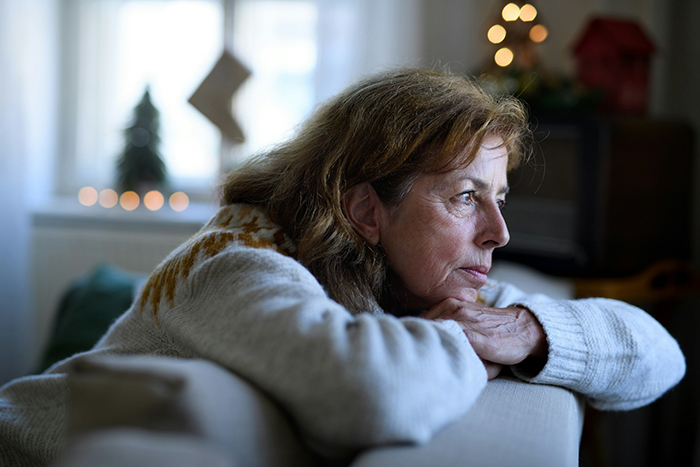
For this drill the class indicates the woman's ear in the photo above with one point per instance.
(363, 208)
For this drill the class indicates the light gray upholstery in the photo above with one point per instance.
(512, 423)
(157, 411)
(134, 447)
(191, 397)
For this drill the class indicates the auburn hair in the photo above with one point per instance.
(387, 129)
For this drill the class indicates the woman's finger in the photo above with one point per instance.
(492, 369)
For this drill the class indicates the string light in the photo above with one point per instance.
(510, 12)
(528, 13)
(108, 198)
(503, 57)
(520, 35)
(87, 196)
(129, 200)
(179, 201)
(496, 34)
(538, 33)
(153, 200)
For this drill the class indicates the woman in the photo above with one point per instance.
(345, 275)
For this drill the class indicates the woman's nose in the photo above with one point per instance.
(493, 231)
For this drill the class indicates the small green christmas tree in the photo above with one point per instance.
(140, 166)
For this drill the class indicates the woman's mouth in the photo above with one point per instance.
(476, 274)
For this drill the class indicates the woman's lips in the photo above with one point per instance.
(477, 274)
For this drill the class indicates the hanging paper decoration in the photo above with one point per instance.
(213, 97)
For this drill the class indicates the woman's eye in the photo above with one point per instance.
(466, 197)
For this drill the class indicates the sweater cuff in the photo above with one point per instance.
(454, 329)
(479, 374)
(568, 352)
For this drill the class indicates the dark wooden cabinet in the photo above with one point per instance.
(602, 197)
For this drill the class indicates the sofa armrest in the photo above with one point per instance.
(135, 447)
(512, 423)
(178, 397)
(201, 406)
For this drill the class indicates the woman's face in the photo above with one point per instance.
(439, 240)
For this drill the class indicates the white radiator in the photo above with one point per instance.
(65, 247)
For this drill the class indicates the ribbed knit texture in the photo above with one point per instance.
(233, 294)
(615, 354)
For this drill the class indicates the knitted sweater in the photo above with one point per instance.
(234, 294)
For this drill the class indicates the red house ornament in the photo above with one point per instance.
(615, 55)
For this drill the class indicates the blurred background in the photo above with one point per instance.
(118, 117)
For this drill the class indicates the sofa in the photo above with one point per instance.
(162, 411)
(159, 411)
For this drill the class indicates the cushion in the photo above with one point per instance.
(194, 398)
(87, 309)
(121, 447)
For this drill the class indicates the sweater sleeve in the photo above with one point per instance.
(349, 381)
(613, 353)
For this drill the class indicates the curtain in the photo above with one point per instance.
(27, 29)
(357, 37)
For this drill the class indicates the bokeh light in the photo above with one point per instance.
(179, 201)
(510, 12)
(538, 33)
(87, 196)
(496, 34)
(528, 13)
(108, 198)
(129, 200)
(503, 57)
(153, 200)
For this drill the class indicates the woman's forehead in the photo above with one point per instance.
(488, 168)
(491, 147)
(468, 153)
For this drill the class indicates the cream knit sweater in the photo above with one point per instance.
(234, 294)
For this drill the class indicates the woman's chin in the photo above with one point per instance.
(466, 294)
(463, 295)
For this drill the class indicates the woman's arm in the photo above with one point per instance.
(612, 352)
(615, 354)
(348, 381)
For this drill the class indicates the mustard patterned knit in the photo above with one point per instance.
(234, 294)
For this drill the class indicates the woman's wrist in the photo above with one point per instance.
(537, 336)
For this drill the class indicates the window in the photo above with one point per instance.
(114, 49)
(299, 52)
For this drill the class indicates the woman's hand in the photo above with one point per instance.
(500, 336)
